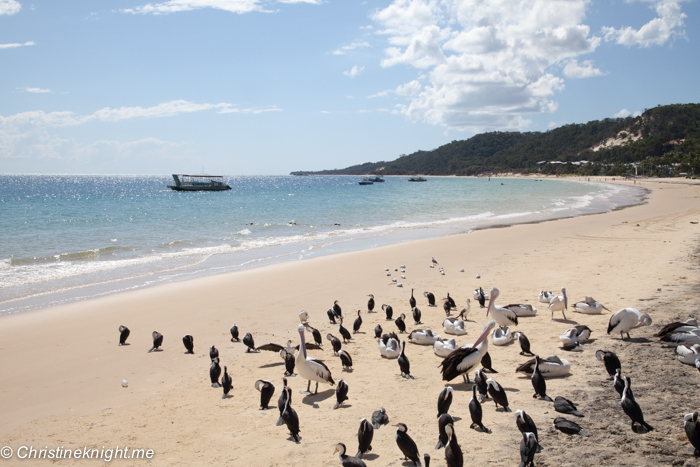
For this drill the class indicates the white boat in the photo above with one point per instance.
(185, 182)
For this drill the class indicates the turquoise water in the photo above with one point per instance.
(65, 238)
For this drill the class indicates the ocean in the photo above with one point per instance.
(71, 237)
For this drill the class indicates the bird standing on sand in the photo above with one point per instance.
(404, 364)
(476, 413)
(444, 420)
(291, 419)
(157, 340)
(188, 340)
(317, 336)
(525, 424)
(289, 362)
(370, 303)
(234, 333)
(309, 368)
(416, 315)
(430, 297)
(434, 262)
(538, 382)
(406, 444)
(612, 363)
(524, 343)
(345, 359)
(358, 322)
(214, 373)
(692, 431)
(462, 360)
(453, 451)
(267, 390)
(335, 343)
(480, 383)
(282, 400)
(378, 331)
(559, 303)
(123, 334)
(528, 448)
(331, 316)
(619, 383)
(412, 300)
(632, 409)
(344, 333)
(444, 401)
(401, 324)
(226, 383)
(213, 352)
(341, 393)
(480, 296)
(249, 343)
(389, 311)
(498, 394)
(337, 311)
(503, 316)
(365, 434)
(627, 319)
(345, 460)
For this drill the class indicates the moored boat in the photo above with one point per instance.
(417, 179)
(199, 183)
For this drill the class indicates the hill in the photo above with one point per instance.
(663, 140)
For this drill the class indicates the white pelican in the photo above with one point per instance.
(589, 307)
(522, 310)
(465, 358)
(423, 337)
(393, 349)
(689, 324)
(454, 326)
(545, 296)
(576, 334)
(304, 317)
(626, 319)
(309, 368)
(559, 303)
(503, 316)
(688, 354)
(685, 338)
(550, 367)
(501, 336)
(384, 341)
(444, 347)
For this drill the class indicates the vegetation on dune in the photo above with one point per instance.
(662, 141)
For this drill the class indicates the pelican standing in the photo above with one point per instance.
(462, 360)
(559, 303)
(309, 368)
(503, 316)
(627, 319)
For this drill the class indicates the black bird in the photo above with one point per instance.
(317, 336)
(453, 451)
(227, 383)
(291, 419)
(406, 444)
(426, 459)
(446, 307)
(335, 342)
(341, 393)
(188, 340)
(345, 359)
(573, 347)
(416, 315)
(434, 262)
(526, 425)
(370, 303)
(568, 427)
(611, 361)
(379, 418)
(692, 431)
(345, 334)
(632, 409)
(498, 394)
(538, 382)
(430, 297)
(378, 331)
(234, 333)
(412, 300)
(331, 316)
(451, 301)
(401, 324)
(213, 352)
(476, 412)
(249, 342)
(563, 405)
(214, 373)
(619, 383)
(282, 400)
(267, 389)
(524, 343)
(337, 310)
(389, 311)
(528, 448)
(364, 437)
(358, 322)
(481, 297)
(404, 364)
(123, 334)
(345, 460)
(157, 340)
(444, 401)
(444, 420)
(480, 383)
(289, 363)
(486, 363)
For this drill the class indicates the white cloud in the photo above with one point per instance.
(9, 7)
(233, 6)
(622, 114)
(586, 70)
(354, 71)
(380, 94)
(658, 31)
(35, 90)
(313, 2)
(409, 89)
(15, 45)
(346, 48)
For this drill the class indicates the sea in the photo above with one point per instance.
(65, 238)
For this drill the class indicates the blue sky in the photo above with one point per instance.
(246, 87)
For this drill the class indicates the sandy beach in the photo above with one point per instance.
(63, 370)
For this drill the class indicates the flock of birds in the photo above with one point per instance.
(456, 361)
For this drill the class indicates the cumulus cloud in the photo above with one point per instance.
(409, 89)
(347, 48)
(15, 45)
(9, 7)
(572, 69)
(624, 113)
(354, 71)
(658, 31)
(35, 90)
(233, 6)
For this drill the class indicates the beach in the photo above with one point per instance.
(63, 370)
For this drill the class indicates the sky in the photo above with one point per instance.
(266, 87)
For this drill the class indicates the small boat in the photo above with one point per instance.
(366, 181)
(417, 179)
(199, 183)
(375, 178)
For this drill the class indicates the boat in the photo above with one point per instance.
(185, 182)
(366, 181)
(417, 179)
(375, 178)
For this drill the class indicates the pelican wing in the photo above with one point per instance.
(454, 364)
(271, 347)
(671, 327)
(321, 370)
(616, 319)
(309, 346)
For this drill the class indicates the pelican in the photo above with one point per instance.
(423, 337)
(444, 347)
(464, 359)
(688, 355)
(559, 303)
(389, 345)
(311, 369)
(589, 307)
(454, 326)
(288, 348)
(545, 296)
(550, 367)
(522, 310)
(627, 319)
(689, 324)
(685, 338)
(393, 349)
(304, 317)
(503, 316)
(501, 336)
(576, 334)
